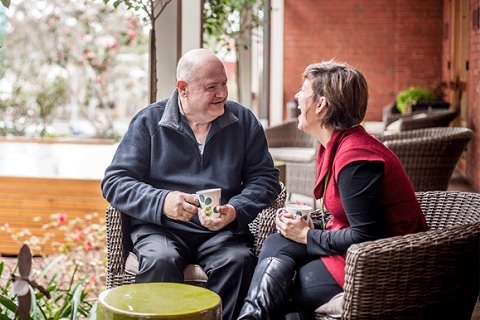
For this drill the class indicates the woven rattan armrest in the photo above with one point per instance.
(427, 275)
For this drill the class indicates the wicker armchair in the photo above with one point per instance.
(429, 156)
(122, 263)
(427, 275)
(427, 118)
(299, 152)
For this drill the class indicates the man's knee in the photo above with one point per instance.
(165, 265)
(242, 258)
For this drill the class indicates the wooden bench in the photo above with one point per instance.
(22, 200)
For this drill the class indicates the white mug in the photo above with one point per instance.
(301, 210)
(209, 200)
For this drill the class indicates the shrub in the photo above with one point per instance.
(68, 299)
(410, 96)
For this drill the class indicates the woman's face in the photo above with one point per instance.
(306, 119)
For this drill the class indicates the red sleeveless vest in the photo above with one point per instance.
(403, 213)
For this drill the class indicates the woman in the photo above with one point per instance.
(362, 185)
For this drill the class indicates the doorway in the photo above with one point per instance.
(459, 65)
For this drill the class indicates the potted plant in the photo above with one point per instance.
(420, 99)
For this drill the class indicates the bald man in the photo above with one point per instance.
(194, 140)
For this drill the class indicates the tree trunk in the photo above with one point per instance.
(153, 67)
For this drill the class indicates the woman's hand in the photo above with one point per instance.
(292, 227)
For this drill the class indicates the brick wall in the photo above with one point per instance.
(396, 44)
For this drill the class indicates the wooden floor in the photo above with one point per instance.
(459, 183)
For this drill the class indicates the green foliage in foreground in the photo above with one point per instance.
(68, 298)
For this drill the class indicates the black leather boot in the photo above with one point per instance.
(297, 315)
(268, 290)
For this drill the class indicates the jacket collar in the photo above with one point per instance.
(172, 117)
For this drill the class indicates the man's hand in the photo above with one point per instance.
(227, 215)
(180, 206)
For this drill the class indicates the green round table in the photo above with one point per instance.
(159, 301)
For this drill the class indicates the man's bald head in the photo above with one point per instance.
(188, 66)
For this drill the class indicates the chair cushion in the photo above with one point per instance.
(334, 307)
(293, 154)
(394, 126)
(192, 273)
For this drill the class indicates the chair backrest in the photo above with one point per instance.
(427, 275)
(287, 134)
(119, 244)
(429, 119)
(429, 156)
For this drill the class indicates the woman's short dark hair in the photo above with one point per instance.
(345, 90)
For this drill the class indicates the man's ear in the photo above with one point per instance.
(182, 87)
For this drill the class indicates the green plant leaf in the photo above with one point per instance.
(411, 96)
(7, 303)
(50, 266)
(6, 3)
(93, 312)
(76, 300)
(36, 311)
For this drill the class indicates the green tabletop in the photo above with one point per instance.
(159, 301)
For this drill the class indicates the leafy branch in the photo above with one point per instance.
(150, 10)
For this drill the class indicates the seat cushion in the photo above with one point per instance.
(334, 307)
(293, 154)
(394, 126)
(192, 273)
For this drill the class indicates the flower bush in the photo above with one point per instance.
(74, 275)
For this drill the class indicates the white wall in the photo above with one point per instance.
(191, 25)
(167, 39)
(276, 63)
(166, 43)
(55, 160)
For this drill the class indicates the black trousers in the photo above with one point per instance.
(313, 285)
(228, 260)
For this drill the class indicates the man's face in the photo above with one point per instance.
(206, 94)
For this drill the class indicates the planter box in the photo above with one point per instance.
(430, 105)
(24, 199)
(41, 177)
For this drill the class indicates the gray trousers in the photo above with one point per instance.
(228, 260)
